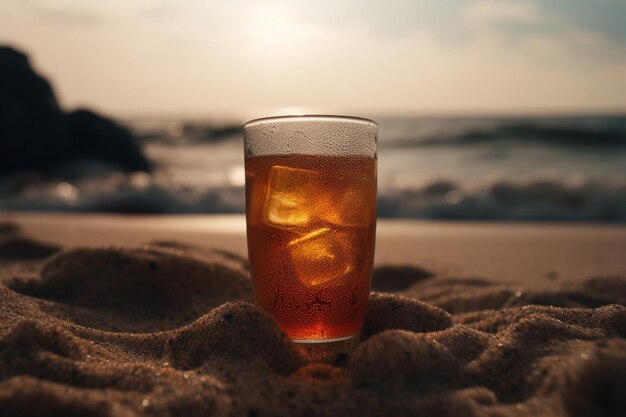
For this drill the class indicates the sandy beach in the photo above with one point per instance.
(504, 252)
(479, 146)
(96, 321)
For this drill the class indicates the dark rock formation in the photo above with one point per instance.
(36, 135)
(95, 137)
(32, 126)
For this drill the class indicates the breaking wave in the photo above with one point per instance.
(536, 200)
(608, 135)
(536, 169)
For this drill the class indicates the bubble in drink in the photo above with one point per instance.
(320, 257)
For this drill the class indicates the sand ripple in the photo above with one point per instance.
(169, 330)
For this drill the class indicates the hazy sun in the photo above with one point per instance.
(272, 24)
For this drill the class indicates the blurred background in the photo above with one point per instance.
(488, 109)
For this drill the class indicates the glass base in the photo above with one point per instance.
(330, 351)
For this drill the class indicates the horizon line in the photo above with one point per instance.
(243, 115)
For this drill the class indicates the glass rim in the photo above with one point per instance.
(330, 117)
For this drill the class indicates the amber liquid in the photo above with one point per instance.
(311, 228)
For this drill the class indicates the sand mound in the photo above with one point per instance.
(239, 333)
(169, 330)
(24, 248)
(212, 255)
(156, 287)
(387, 311)
(14, 246)
(465, 295)
(592, 386)
(397, 278)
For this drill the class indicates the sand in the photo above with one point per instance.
(169, 329)
(502, 252)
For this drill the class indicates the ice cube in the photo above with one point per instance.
(353, 203)
(290, 196)
(320, 256)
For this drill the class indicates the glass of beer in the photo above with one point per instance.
(311, 222)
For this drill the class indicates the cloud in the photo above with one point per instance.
(208, 57)
(503, 11)
(71, 17)
(61, 12)
(544, 37)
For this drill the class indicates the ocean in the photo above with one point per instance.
(452, 168)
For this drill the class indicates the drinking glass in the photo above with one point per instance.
(311, 222)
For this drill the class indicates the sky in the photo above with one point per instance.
(245, 57)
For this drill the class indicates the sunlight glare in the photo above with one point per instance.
(272, 23)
